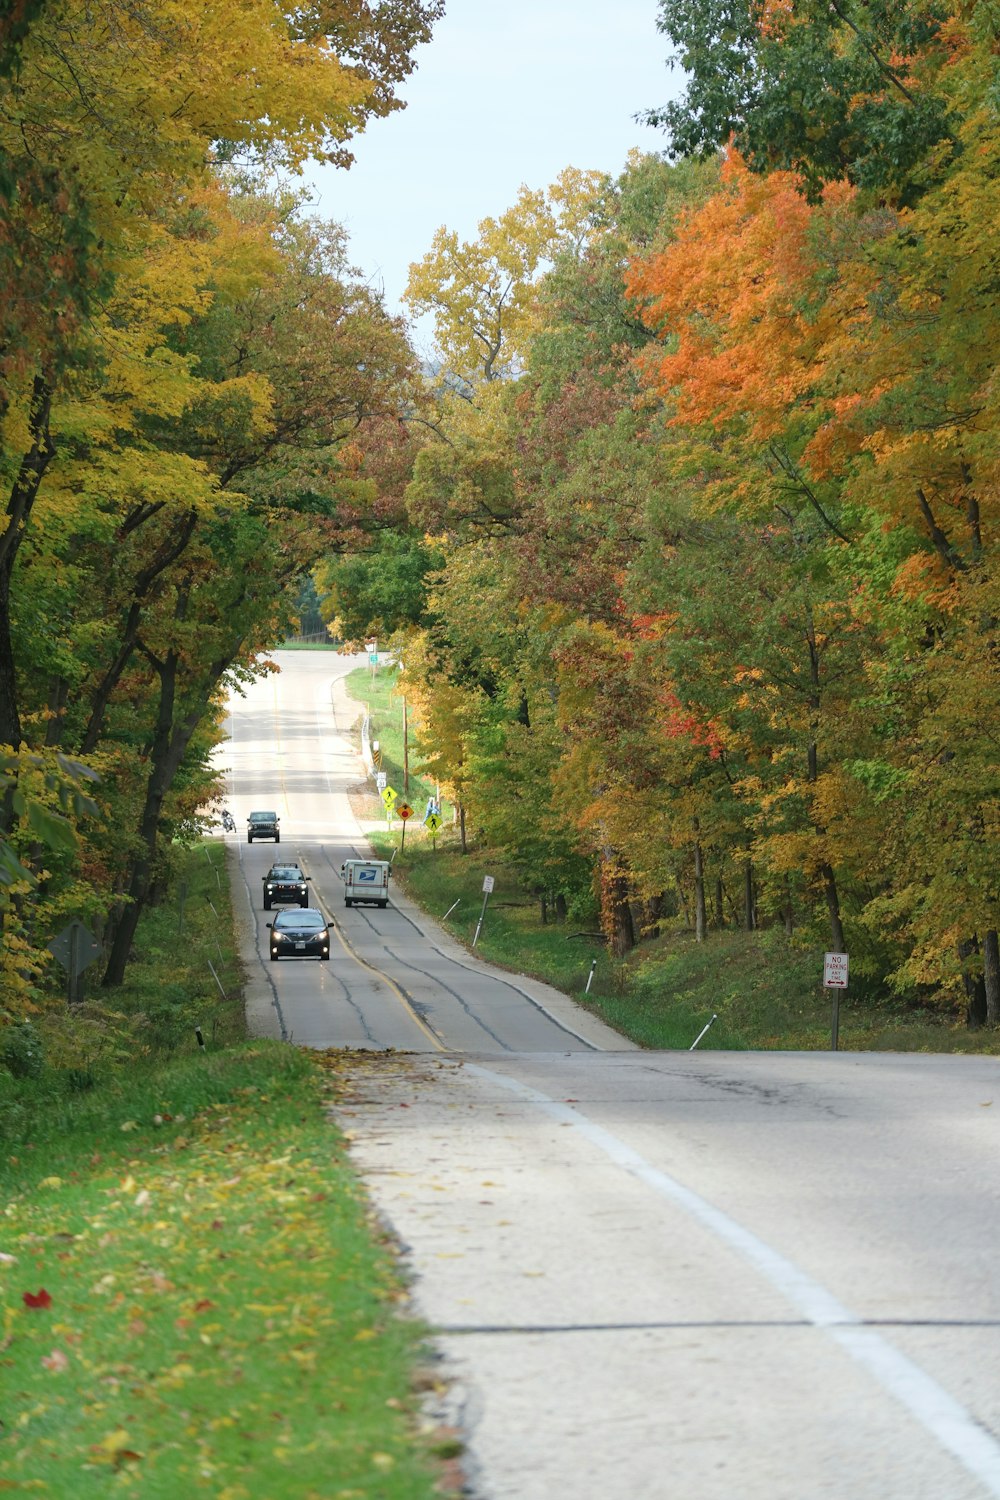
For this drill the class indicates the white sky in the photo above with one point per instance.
(507, 92)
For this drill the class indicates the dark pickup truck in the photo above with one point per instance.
(283, 885)
(263, 825)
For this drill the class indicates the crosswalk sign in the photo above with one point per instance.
(433, 821)
(389, 796)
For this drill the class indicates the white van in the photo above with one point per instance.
(366, 880)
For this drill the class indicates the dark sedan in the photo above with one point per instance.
(300, 934)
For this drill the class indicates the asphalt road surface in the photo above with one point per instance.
(650, 1276)
(394, 979)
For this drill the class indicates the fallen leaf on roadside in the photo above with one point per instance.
(113, 1449)
(40, 1298)
(56, 1361)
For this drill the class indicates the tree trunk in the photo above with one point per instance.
(23, 494)
(975, 986)
(991, 976)
(461, 827)
(650, 913)
(58, 698)
(700, 916)
(720, 910)
(10, 718)
(102, 693)
(172, 548)
(170, 743)
(833, 908)
(749, 907)
(616, 913)
(560, 907)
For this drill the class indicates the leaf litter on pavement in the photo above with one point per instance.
(207, 1306)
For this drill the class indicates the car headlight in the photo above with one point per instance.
(279, 937)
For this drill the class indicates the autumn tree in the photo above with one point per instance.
(834, 92)
(109, 118)
(481, 292)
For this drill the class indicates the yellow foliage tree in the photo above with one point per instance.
(482, 292)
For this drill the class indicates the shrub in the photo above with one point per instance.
(21, 1050)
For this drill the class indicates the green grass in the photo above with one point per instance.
(222, 1310)
(308, 646)
(765, 992)
(223, 1314)
(377, 691)
(185, 976)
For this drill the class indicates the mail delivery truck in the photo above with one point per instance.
(366, 880)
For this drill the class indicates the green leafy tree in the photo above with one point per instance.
(842, 90)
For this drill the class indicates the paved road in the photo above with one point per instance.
(708, 1276)
(394, 980)
(673, 1276)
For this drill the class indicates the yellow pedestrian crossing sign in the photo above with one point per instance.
(433, 821)
(388, 797)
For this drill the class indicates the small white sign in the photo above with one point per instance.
(835, 971)
(381, 781)
(487, 883)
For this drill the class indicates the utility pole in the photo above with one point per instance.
(406, 752)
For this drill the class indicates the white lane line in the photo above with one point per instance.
(976, 1449)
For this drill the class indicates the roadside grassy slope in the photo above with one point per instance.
(196, 1299)
(764, 990)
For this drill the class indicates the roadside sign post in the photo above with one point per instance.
(432, 823)
(487, 888)
(404, 811)
(702, 1032)
(590, 976)
(835, 967)
(389, 796)
(406, 750)
(75, 948)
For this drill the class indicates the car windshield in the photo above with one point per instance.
(305, 918)
(285, 872)
(263, 817)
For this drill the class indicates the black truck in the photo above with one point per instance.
(285, 885)
(263, 825)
